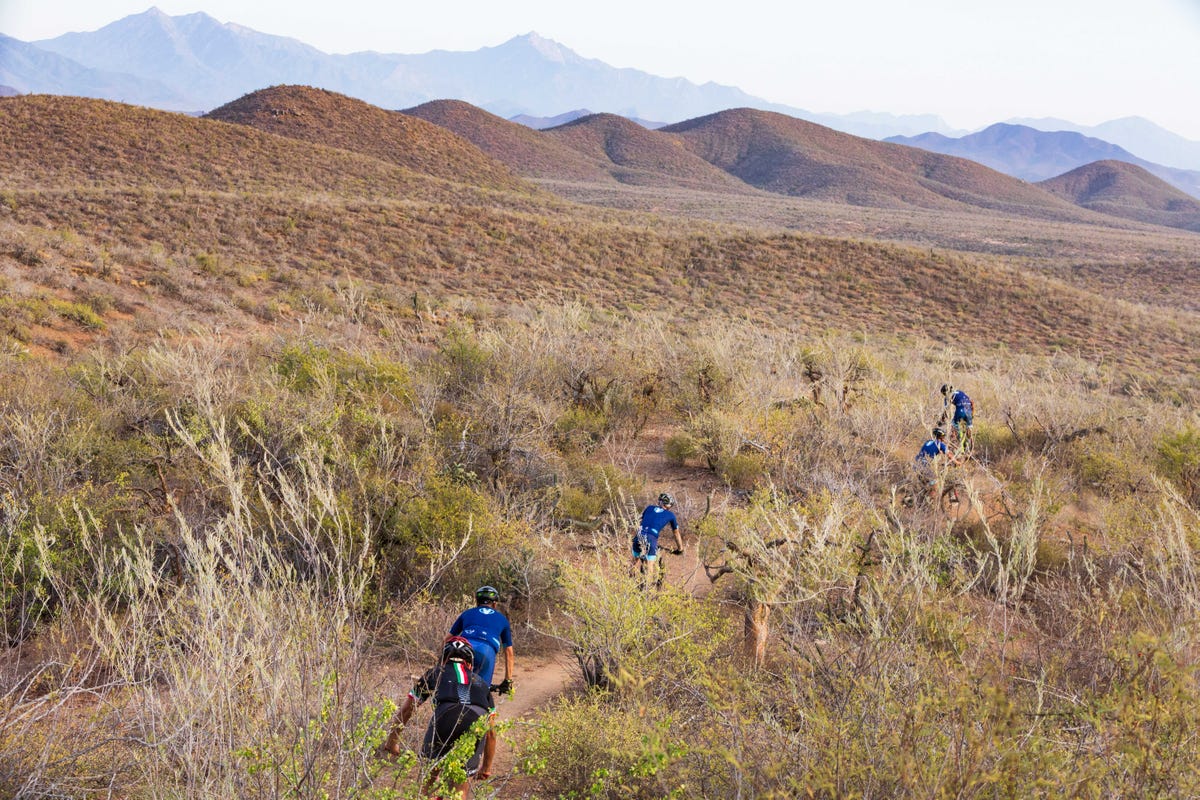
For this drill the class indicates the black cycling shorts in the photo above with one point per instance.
(450, 721)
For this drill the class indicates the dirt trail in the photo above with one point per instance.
(542, 679)
(539, 681)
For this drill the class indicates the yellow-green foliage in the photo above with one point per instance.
(681, 447)
(592, 747)
(624, 635)
(447, 520)
(1179, 459)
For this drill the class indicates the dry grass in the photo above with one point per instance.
(258, 419)
(635, 155)
(523, 149)
(327, 118)
(1126, 190)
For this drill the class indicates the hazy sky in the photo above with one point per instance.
(969, 61)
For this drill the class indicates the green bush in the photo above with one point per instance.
(1179, 460)
(446, 528)
(681, 447)
(745, 471)
(580, 429)
(591, 747)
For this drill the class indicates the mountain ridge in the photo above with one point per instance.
(789, 156)
(246, 60)
(1032, 155)
(1136, 134)
(328, 118)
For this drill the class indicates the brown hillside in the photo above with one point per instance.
(54, 142)
(328, 118)
(200, 219)
(267, 257)
(794, 157)
(524, 150)
(639, 156)
(1128, 191)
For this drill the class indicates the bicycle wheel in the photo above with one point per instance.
(954, 502)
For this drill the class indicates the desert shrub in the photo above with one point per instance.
(592, 747)
(442, 537)
(578, 506)
(681, 447)
(462, 360)
(80, 314)
(245, 677)
(580, 429)
(718, 435)
(1111, 469)
(744, 470)
(1179, 460)
(623, 635)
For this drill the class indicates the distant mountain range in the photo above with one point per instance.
(195, 63)
(1135, 134)
(542, 123)
(1034, 155)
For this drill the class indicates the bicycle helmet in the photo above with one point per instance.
(456, 648)
(486, 594)
(939, 433)
(947, 389)
(665, 499)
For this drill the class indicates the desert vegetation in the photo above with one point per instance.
(210, 543)
(262, 434)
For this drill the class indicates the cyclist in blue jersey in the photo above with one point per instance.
(645, 541)
(964, 413)
(488, 632)
(460, 698)
(933, 454)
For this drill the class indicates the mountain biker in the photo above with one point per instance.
(655, 517)
(964, 412)
(460, 697)
(927, 461)
(488, 631)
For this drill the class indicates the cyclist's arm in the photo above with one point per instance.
(678, 538)
(508, 663)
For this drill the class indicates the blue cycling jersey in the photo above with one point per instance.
(483, 624)
(931, 450)
(654, 519)
(488, 631)
(962, 403)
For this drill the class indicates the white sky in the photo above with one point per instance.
(969, 61)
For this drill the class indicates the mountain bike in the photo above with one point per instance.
(951, 500)
(654, 572)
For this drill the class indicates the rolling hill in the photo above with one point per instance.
(69, 143)
(524, 150)
(638, 156)
(323, 117)
(195, 219)
(793, 157)
(1034, 155)
(1126, 190)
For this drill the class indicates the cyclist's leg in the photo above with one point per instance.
(648, 556)
(660, 571)
(639, 550)
(963, 430)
